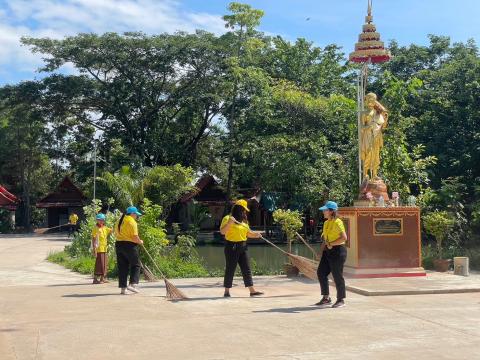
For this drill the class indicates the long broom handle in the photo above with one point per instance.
(261, 237)
(153, 262)
(44, 230)
(307, 244)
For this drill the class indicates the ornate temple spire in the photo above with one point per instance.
(369, 46)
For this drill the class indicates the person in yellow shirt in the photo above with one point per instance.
(333, 257)
(126, 247)
(72, 222)
(236, 231)
(100, 234)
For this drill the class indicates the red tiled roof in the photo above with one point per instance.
(7, 199)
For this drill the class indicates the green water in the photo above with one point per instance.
(266, 257)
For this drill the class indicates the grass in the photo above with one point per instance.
(171, 267)
(83, 264)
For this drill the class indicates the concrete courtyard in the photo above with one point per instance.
(47, 312)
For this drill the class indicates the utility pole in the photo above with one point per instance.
(94, 172)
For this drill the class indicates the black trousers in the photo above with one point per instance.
(128, 262)
(332, 262)
(236, 253)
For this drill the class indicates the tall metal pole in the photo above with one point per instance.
(361, 89)
(94, 171)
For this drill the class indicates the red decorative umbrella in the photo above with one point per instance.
(369, 48)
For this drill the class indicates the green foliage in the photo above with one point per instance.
(126, 186)
(243, 17)
(82, 242)
(403, 166)
(82, 264)
(163, 185)
(290, 221)
(252, 109)
(5, 225)
(438, 224)
(152, 230)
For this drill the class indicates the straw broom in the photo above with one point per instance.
(306, 266)
(173, 293)
(44, 230)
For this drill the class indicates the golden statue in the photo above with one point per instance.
(374, 120)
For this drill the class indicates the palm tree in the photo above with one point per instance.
(125, 185)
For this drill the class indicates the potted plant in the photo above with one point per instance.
(291, 222)
(439, 224)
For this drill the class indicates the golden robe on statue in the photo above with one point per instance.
(374, 121)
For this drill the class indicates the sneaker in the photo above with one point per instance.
(123, 291)
(133, 288)
(339, 304)
(324, 302)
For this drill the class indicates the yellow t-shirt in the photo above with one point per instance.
(102, 239)
(237, 232)
(73, 218)
(128, 230)
(332, 229)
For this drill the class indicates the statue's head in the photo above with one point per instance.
(370, 100)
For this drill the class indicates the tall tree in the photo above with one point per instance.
(158, 94)
(243, 21)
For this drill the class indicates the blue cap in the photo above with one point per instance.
(101, 217)
(133, 210)
(329, 205)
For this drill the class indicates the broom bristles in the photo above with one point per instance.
(149, 276)
(173, 293)
(306, 266)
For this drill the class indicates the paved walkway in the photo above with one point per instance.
(47, 312)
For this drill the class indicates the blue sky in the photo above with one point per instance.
(407, 21)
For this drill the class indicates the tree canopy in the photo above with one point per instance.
(250, 108)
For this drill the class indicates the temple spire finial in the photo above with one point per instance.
(369, 7)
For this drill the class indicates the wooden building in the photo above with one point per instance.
(66, 199)
(9, 202)
(210, 194)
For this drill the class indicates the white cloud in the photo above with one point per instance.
(59, 18)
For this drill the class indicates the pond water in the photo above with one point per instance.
(266, 257)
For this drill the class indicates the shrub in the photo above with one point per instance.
(180, 260)
(82, 240)
(438, 224)
(290, 221)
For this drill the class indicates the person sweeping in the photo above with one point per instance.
(100, 234)
(126, 247)
(333, 257)
(236, 231)
(72, 223)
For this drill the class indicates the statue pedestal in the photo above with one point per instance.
(376, 187)
(382, 242)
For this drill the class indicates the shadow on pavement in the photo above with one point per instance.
(88, 295)
(72, 284)
(290, 310)
(9, 330)
(232, 298)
